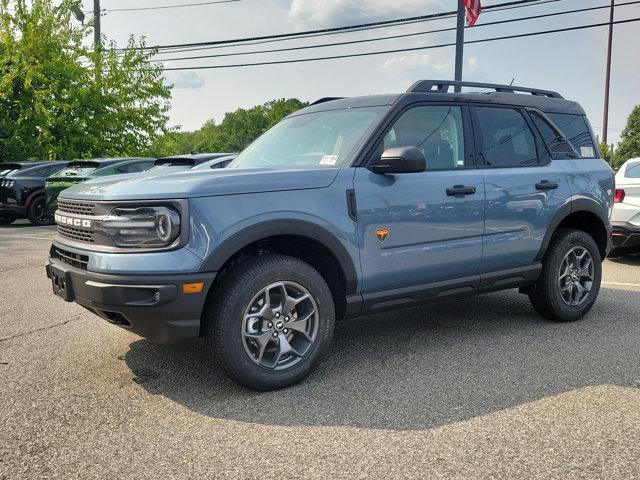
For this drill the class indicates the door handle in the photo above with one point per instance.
(546, 185)
(460, 190)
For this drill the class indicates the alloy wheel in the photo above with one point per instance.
(575, 277)
(280, 325)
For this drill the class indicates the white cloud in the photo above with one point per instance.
(313, 13)
(187, 80)
(434, 65)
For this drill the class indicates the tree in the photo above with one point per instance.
(52, 103)
(236, 131)
(629, 146)
(605, 152)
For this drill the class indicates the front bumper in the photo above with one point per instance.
(625, 235)
(152, 306)
(12, 210)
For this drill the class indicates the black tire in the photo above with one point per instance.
(7, 220)
(37, 213)
(226, 312)
(547, 298)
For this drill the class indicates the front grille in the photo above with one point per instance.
(79, 208)
(70, 258)
(77, 234)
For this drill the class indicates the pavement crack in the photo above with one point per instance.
(50, 327)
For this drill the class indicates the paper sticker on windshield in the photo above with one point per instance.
(329, 160)
(587, 152)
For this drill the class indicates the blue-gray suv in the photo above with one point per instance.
(347, 207)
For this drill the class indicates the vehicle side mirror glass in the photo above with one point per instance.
(400, 160)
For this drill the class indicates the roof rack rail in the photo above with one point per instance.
(442, 86)
(326, 99)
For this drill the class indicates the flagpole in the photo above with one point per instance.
(607, 81)
(459, 44)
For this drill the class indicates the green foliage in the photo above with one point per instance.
(236, 131)
(629, 146)
(605, 152)
(59, 100)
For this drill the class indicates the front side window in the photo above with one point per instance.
(436, 130)
(507, 140)
(313, 140)
(575, 129)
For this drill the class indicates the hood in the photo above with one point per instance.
(200, 183)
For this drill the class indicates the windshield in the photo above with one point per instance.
(78, 171)
(313, 140)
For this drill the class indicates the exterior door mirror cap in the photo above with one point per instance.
(400, 160)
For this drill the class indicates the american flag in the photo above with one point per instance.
(473, 9)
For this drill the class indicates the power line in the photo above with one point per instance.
(432, 16)
(172, 50)
(404, 35)
(401, 50)
(164, 7)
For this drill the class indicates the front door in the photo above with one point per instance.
(418, 228)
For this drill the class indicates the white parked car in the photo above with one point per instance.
(626, 208)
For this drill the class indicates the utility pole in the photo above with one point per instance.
(97, 40)
(607, 81)
(460, 44)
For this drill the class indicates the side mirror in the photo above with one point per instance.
(400, 160)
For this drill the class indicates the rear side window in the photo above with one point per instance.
(507, 140)
(575, 129)
(633, 170)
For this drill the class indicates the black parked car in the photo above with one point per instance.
(22, 191)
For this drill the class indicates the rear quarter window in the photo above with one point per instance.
(576, 129)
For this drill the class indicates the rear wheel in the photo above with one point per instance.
(270, 322)
(570, 280)
(7, 220)
(38, 214)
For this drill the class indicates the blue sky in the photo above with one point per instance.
(571, 63)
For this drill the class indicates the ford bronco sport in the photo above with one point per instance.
(345, 208)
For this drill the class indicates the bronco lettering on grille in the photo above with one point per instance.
(72, 222)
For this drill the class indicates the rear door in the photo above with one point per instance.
(524, 186)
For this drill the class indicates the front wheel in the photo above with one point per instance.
(270, 321)
(38, 214)
(570, 280)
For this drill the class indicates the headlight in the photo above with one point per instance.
(142, 226)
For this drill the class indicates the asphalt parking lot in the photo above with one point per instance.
(481, 388)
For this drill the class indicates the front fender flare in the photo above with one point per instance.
(272, 228)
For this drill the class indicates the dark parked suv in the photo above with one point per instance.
(22, 191)
(345, 208)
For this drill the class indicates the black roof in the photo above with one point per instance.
(439, 91)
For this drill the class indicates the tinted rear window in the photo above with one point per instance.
(507, 140)
(575, 129)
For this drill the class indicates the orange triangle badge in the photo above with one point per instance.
(382, 233)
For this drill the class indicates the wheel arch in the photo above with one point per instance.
(298, 238)
(582, 214)
(33, 195)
